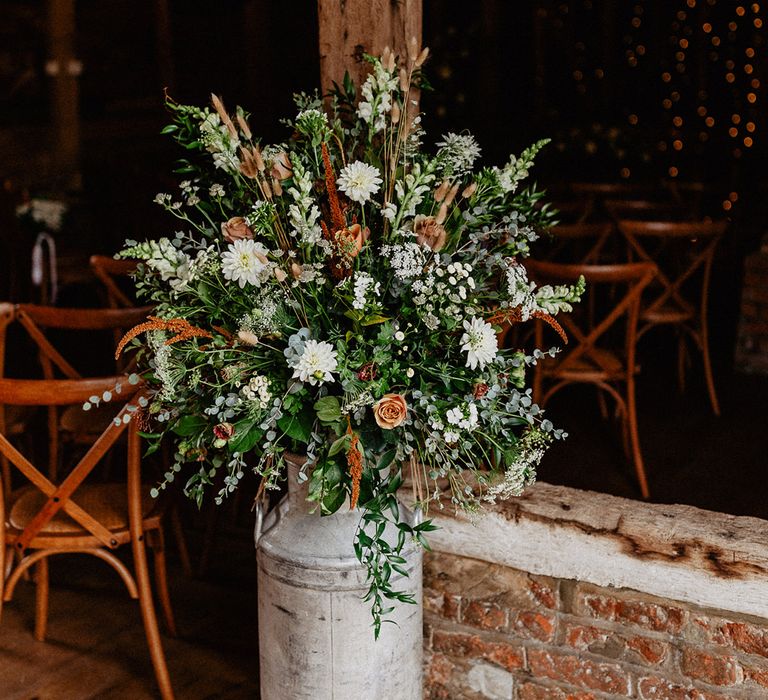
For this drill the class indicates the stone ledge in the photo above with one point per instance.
(680, 552)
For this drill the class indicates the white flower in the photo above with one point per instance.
(399, 336)
(479, 342)
(257, 391)
(216, 190)
(409, 372)
(315, 363)
(457, 154)
(359, 181)
(363, 282)
(245, 262)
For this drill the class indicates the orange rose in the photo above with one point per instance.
(390, 411)
(429, 232)
(235, 229)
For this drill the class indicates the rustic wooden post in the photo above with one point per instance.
(350, 28)
(64, 70)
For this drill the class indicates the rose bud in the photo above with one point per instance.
(390, 411)
(236, 229)
(223, 432)
(367, 372)
(281, 166)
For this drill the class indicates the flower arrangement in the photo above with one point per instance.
(340, 295)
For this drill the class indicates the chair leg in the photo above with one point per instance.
(41, 599)
(708, 368)
(181, 540)
(209, 540)
(150, 619)
(156, 542)
(635, 440)
(681, 357)
(601, 403)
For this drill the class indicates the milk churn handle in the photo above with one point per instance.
(260, 512)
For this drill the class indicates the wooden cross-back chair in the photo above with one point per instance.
(647, 210)
(679, 296)
(72, 421)
(46, 518)
(594, 355)
(109, 271)
(585, 243)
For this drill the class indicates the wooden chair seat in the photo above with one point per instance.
(666, 314)
(108, 503)
(75, 420)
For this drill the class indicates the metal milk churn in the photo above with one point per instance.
(315, 634)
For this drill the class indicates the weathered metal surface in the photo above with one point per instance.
(315, 635)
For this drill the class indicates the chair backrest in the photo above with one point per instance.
(67, 392)
(109, 271)
(647, 210)
(585, 336)
(35, 319)
(680, 250)
(585, 243)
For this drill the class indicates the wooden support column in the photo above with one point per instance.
(350, 28)
(64, 70)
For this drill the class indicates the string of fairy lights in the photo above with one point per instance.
(707, 67)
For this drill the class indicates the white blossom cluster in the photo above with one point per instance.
(522, 472)
(376, 99)
(257, 391)
(364, 283)
(524, 295)
(304, 214)
(264, 319)
(411, 190)
(443, 292)
(457, 154)
(407, 260)
(218, 141)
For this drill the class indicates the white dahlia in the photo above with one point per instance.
(316, 363)
(359, 181)
(479, 342)
(245, 262)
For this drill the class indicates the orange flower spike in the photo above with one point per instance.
(515, 316)
(337, 217)
(355, 462)
(183, 329)
(550, 321)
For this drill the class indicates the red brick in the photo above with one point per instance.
(632, 648)
(534, 691)
(658, 617)
(534, 625)
(654, 688)
(709, 667)
(437, 678)
(465, 645)
(741, 636)
(487, 616)
(651, 651)
(543, 593)
(757, 674)
(581, 672)
(441, 603)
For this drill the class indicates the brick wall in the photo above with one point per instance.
(752, 345)
(571, 595)
(496, 632)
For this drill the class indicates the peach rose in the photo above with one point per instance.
(390, 411)
(281, 166)
(235, 229)
(352, 239)
(429, 232)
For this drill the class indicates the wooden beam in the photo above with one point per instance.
(64, 70)
(350, 28)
